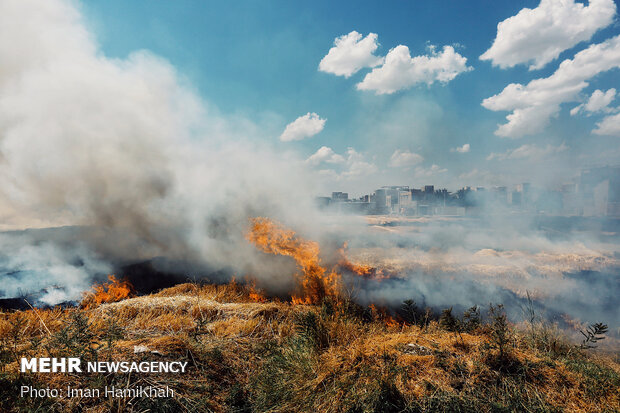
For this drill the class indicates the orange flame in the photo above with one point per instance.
(362, 270)
(113, 291)
(359, 269)
(315, 281)
(256, 295)
(381, 313)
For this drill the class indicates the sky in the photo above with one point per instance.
(412, 93)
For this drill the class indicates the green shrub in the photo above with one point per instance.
(311, 327)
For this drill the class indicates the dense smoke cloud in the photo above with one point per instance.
(126, 144)
(460, 262)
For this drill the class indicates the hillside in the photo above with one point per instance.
(249, 353)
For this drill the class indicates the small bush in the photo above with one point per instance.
(500, 331)
(310, 326)
(593, 334)
(409, 312)
(449, 322)
(472, 319)
(75, 339)
(112, 333)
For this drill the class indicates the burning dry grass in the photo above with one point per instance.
(320, 352)
(276, 356)
(315, 282)
(114, 290)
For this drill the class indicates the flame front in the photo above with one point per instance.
(315, 282)
(358, 269)
(114, 290)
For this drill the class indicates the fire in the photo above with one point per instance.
(315, 282)
(361, 270)
(256, 295)
(114, 290)
(381, 313)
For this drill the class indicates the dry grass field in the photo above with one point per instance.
(316, 351)
(247, 353)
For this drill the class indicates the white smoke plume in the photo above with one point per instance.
(127, 145)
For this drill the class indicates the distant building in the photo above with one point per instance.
(595, 192)
(500, 194)
(382, 201)
(599, 190)
(392, 198)
(520, 196)
(355, 207)
(416, 194)
(571, 204)
(322, 201)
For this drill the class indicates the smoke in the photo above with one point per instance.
(55, 273)
(125, 146)
(460, 262)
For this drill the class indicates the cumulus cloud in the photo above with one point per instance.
(325, 154)
(425, 173)
(610, 125)
(539, 35)
(534, 104)
(401, 71)
(352, 165)
(404, 159)
(357, 165)
(530, 152)
(461, 149)
(598, 102)
(351, 53)
(303, 127)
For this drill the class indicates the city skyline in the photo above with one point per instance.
(595, 192)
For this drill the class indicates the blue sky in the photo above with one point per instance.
(260, 60)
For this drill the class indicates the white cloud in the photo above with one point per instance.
(357, 165)
(422, 173)
(461, 149)
(610, 125)
(530, 152)
(598, 102)
(325, 154)
(574, 111)
(401, 71)
(303, 127)
(352, 165)
(534, 104)
(404, 158)
(351, 53)
(539, 35)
